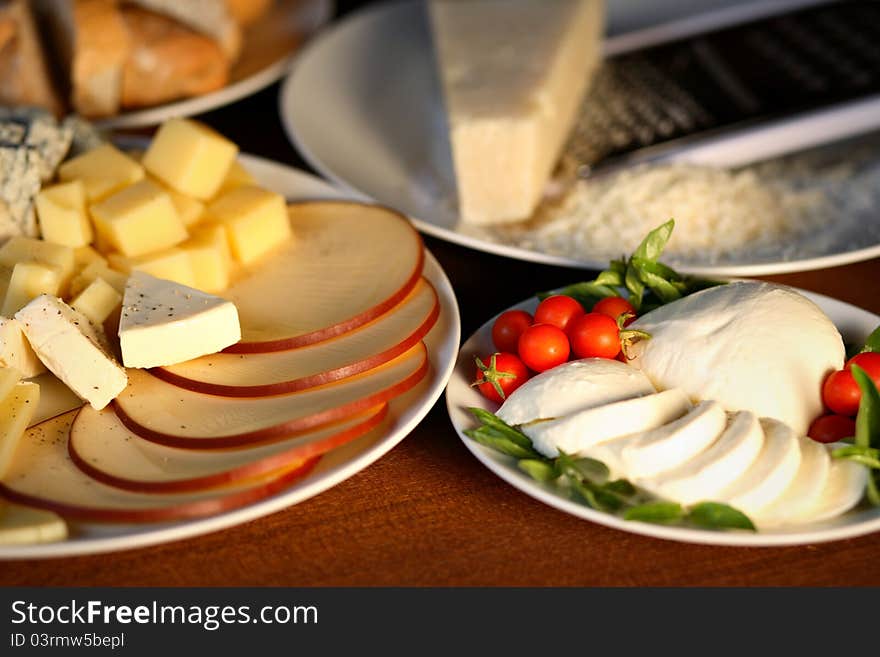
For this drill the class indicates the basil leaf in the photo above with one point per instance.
(596, 471)
(873, 341)
(491, 420)
(867, 456)
(609, 277)
(635, 286)
(868, 425)
(621, 487)
(713, 515)
(657, 268)
(665, 290)
(538, 470)
(618, 266)
(596, 497)
(656, 512)
(590, 291)
(492, 438)
(652, 246)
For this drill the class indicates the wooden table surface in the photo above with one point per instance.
(428, 513)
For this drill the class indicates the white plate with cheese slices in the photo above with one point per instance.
(372, 76)
(404, 413)
(269, 46)
(854, 324)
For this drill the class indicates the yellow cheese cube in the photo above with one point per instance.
(97, 301)
(190, 157)
(189, 209)
(236, 177)
(171, 264)
(86, 255)
(61, 210)
(139, 219)
(25, 249)
(255, 219)
(210, 258)
(95, 270)
(5, 277)
(103, 170)
(30, 280)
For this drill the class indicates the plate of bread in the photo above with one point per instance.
(134, 63)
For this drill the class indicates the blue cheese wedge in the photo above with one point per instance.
(20, 167)
(72, 349)
(164, 323)
(40, 131)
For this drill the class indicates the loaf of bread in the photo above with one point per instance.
(24, 72)
(168, 61)
(246, 12)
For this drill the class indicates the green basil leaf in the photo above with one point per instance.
(652, 246)
(542, 471)
(713, 515)
(621, 487)
(868, 418)
(658, 268)
(665, 290)
(609, 277)
(618, 266)
(656, 512)
(695, 284)
(491, 420)
(591, 469)
(635, 286)
(867, 456)
(495, 440)
(873, 341)
(595, 496)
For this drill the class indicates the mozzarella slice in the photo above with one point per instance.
(773, 472)
(578, 432)
(714, 469)
(574, 386)
(806, 489)
(674, 443)
(844, 489)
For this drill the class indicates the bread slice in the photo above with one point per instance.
(24, 72)
(92, 43)
(168, 61)
(246, 12)
(210, 17)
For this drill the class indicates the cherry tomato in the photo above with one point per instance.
(831, 428)
(558, 310)
(542, 346)
(615, 307)
(841, 393)
(499, 374)
(594, 336)
(868, 361)
(508, 327)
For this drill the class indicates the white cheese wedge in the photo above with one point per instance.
(574, 386)
(23, 525)
(72, 349)
(16, 351)
(579, 432)
(805, 492)
(844, 489)
(752, 346)
(16, 410)
(164, 323)
(513, 75)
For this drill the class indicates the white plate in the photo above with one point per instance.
(372, 77)
(404, 414)
(268, 48)
(854, 323)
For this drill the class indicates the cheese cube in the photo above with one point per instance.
(210, 258)
(513, 74)
(9, 378)
(171, 264)
(189, 210)
(236, 177)
(255, 219)
(190, 157)
(97, 301)
(103, 170)
(29, 280)
(72, 348)
(163, 323)
(16, 351)
(16, 411)
(86, 255)
(90, 272)
(26, 249)
(139, 219)
(61, 210)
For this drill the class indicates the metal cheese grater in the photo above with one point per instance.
(736, 94)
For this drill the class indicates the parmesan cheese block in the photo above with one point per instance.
(513, 74)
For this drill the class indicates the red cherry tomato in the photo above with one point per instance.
(558, 310)
(594, 336)
(500, 374)
(508, 327)
(841, 393)
(615, 307)
(868, 361)
(831, 428)
(542, 346)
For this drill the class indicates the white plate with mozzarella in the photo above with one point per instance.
(377, 432)
(854, 324)
(373, 77)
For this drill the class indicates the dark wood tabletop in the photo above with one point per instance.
(428, 513)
